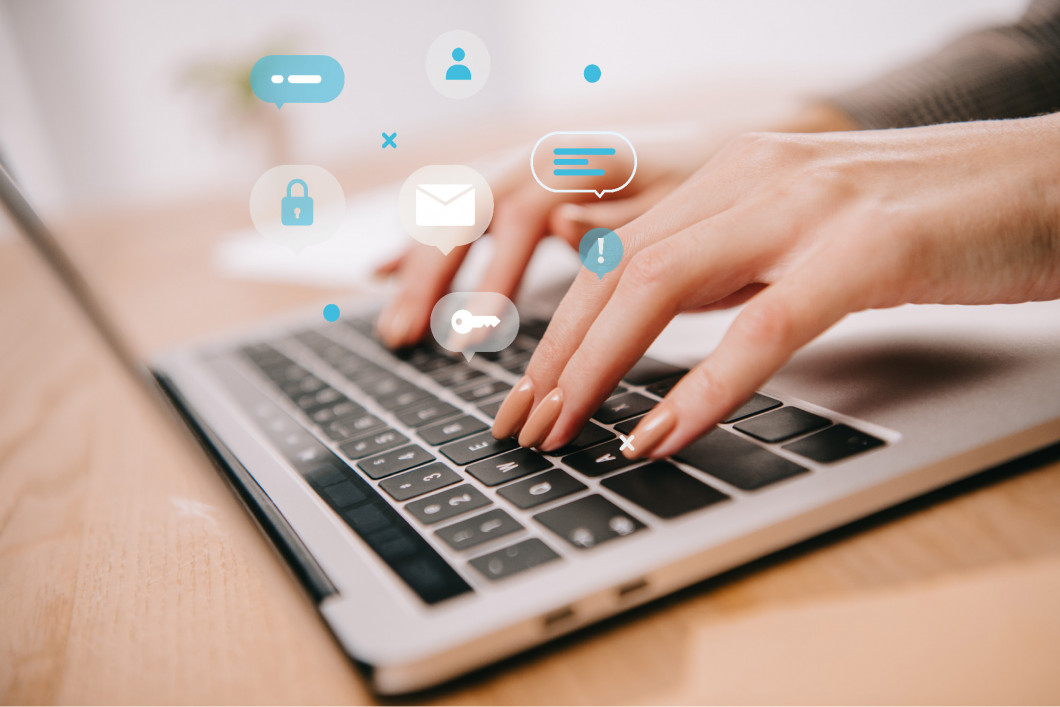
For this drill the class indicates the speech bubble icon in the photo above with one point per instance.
(445, 205)
(594, 162)
(600, 251)
(297, 205)
(297, 78)
(473, 322)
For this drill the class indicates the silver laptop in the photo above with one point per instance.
(432, 549)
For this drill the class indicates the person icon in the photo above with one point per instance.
(458, 72)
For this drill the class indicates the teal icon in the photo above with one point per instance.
(388, 140)
(458, 71)
(331, 312)
(600, 251)
(297, 78)
(296, 210)
(592, 73)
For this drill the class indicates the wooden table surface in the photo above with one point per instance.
(129, 573)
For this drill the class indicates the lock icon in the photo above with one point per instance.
(296, 210)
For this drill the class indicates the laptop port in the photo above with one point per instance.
(629, 590)
(555, 619)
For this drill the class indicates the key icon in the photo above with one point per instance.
(464, 321)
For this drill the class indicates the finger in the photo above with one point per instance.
(571, 221)
(519, 224)
(425, 276)
(586, 297)
(391, 266)
(774, 324)
(702, 264)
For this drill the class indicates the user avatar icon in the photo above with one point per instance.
(458, 71)
(458, 64)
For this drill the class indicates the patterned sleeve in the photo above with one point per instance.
(1010, 71)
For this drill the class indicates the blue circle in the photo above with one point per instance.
(331, 312)
(592, 73)
(458, 54)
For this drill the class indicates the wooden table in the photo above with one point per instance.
(129, 573)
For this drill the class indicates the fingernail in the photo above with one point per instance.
(514, 409)
(393, 327)
(653, 429)
(577, 215)
(541, 420)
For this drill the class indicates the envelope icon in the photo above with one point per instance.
(445, 205)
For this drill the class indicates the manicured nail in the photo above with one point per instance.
(653, 429)
(577, 215)
(541, 420)
(514, 409)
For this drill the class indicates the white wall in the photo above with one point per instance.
(94, 111)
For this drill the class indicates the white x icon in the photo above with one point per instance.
(627, 443)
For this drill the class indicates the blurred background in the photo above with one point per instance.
(116, 102)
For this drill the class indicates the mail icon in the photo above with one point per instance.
(445, 205)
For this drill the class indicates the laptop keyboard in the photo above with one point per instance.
(398, 445)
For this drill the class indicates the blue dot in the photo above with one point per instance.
(458, 54)
(331, 312)
(592, 73)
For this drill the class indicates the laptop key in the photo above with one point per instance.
(475, 531)
(477, 447)
(419, 481)
(514, 559)
(662, 388)
(833, 444)
(541, 489)
(627, 426)
(508, 466)
(342, 494)
(599, 460)
(737, 461)
(394, 461)
(649, 370)
(451, 429)
(663, 489)
(446, 504)
(757, 404)
(373, 443)
(782, 424)
(590, 436)
(425, 414)
(342, 409)
(620, 407)
(403, 398)
(352, 426)
(483, 389)
(490, 409)
(589, 521)
(454, 376)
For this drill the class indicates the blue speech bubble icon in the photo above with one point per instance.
(297, 78)
(600, 251)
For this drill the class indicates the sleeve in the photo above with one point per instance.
(1010, 71)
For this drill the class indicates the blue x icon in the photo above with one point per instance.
(388, 140)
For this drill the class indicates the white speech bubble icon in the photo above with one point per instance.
(445, 205)
(472, 322)
(583, 161)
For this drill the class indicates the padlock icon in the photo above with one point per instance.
(296, 210)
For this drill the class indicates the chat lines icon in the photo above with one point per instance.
(297, 78)
(474, 322)
(585, 161)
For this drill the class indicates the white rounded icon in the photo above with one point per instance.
(297, 205)
(471, 322)
(445, 205)
(458, 64)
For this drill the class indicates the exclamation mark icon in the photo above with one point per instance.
(600, 247)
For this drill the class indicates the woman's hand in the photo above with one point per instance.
(806, 229)
(525, 214)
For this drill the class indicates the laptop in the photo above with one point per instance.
(431, 549)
